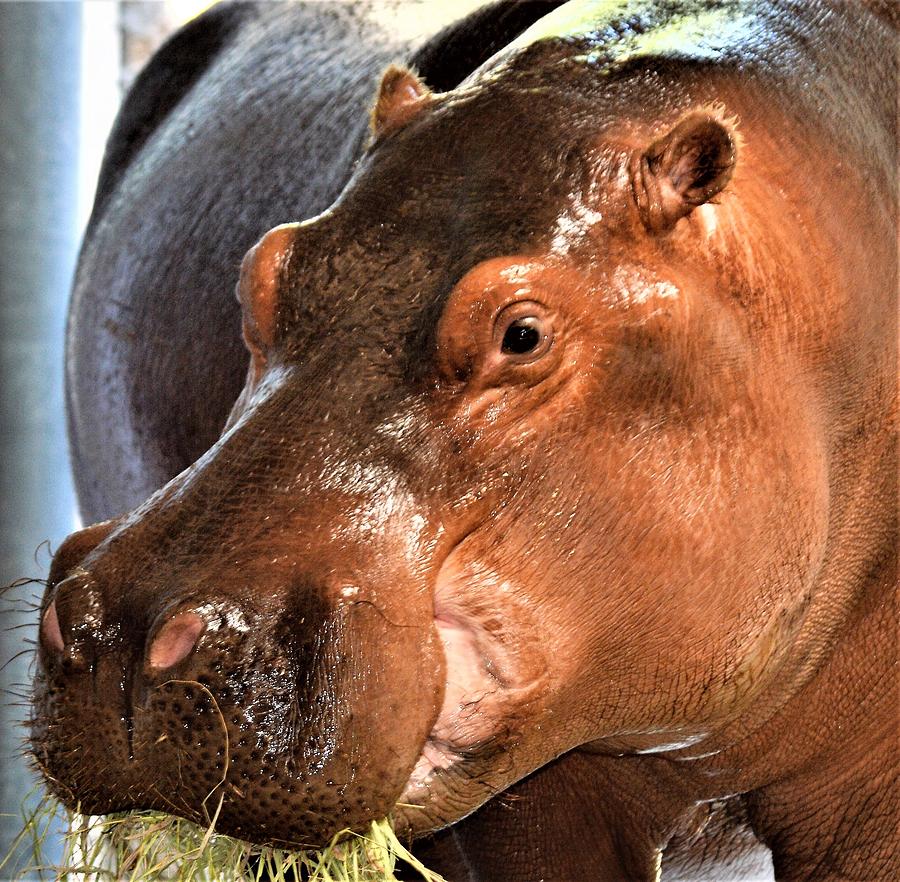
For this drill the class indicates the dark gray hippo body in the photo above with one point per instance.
(684, 203)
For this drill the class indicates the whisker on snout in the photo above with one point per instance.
(20, 654)
(21, 583)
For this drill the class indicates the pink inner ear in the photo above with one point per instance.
(258, 288)
(411, 89)
(401, 96)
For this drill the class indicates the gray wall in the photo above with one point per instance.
(39, 84)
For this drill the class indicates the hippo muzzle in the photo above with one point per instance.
(285, 683)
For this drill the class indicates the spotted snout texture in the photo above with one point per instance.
(255, 717)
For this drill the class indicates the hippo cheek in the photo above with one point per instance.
(287, 732)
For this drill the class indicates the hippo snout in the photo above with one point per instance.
(250, 690)
(73, 611)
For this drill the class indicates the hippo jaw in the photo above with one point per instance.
(259, 701)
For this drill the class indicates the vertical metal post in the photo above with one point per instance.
(39, 92)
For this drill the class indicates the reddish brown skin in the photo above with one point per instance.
(630, 594)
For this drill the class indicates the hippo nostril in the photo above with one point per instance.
(51, 633)
(175, 640)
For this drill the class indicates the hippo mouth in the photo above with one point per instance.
(473, 692)
(489, 681)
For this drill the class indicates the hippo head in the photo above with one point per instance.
(510, 476)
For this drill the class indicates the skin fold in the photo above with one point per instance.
(555, 511)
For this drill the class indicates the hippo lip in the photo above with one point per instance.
(486, 681)
(473, 695)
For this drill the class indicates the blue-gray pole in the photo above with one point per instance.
(39, 91)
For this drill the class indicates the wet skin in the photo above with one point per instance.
(567, 431)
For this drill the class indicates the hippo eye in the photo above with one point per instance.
(521, 336)
(523, 331)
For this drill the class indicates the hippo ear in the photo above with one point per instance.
(401, 97)
(683, 169)
(258, 288)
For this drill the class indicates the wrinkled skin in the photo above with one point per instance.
(421, 563)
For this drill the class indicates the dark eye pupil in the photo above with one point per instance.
(521, 337)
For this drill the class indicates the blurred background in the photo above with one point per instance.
(63, 69)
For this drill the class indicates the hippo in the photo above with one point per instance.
(490, 422)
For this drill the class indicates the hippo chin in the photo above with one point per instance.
(560, 488)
